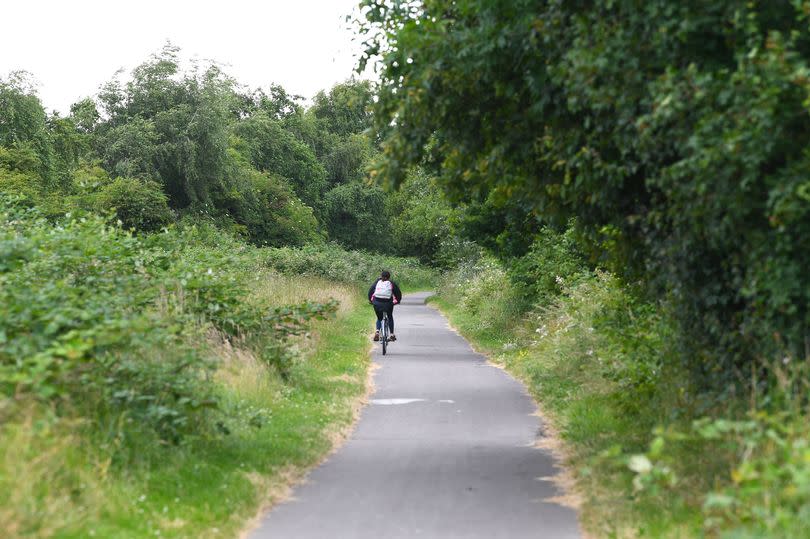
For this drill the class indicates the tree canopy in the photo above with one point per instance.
(674, 132)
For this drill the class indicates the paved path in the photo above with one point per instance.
(444, 450)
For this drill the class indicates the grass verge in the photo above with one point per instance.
(62, 479)
(559, 362)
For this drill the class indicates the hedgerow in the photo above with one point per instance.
(100, 319)
(334, 262)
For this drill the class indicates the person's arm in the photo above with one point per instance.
(371, 290)
(397, 292)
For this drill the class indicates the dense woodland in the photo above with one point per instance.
(611, 198)
(166, 145)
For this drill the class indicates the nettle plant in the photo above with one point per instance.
(106, 321)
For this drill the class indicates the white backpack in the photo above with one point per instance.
(384, 290)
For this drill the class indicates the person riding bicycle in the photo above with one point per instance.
(383, 295)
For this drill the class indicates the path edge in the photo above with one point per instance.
(551, 441)
(290, 477)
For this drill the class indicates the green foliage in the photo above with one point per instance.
(113, 323)
(770, 489)
(356, 218)
(171, 126)
(76, 301)
(345, 110)
(339, 265)
(421, 218)
(348, 159)
(265, 208)
(675, 133)
(130, 149)
(23, 125)
(552, 260)
(138, 204)
(766, 488)
(19, 176)
(271, 148)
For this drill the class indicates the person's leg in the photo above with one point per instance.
(379, 314)
(391, 318)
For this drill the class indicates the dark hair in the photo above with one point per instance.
(385, 275)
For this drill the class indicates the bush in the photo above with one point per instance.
(420, 218)
(138, 204)
(116, 324)
(553, 259)
(337, 264)
(356, 217)
(81, 320)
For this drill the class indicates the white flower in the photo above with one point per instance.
(640, 464)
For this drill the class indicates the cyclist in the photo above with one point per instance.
(383, 295)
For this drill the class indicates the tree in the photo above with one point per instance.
(273, 149)
(170, 125)
(356, 216)
(345, 110)
(420, 217)
(674, 132)
(348, 159)
(23, 125)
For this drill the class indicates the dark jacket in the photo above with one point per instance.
(397, 291)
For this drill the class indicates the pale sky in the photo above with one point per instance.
(73, 46)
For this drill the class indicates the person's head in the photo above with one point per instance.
(385, 275)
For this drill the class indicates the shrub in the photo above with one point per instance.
(114, 323)
(138, 204)
(335, 263)
(356, 217)
(553, 259)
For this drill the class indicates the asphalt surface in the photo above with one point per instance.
(444, 449)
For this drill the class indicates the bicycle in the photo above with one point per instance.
(384, 332)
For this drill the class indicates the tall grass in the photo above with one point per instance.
(62, 476)
(168, 384)
(653, 457)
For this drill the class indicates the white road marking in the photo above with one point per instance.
(389, 402)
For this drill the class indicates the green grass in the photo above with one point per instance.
(61, 478)
(576, 396)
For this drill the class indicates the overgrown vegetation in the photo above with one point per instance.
(637, 175)
(602, 363)
(616, 192)
(163, 371)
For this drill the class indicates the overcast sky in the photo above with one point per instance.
(73, 46)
